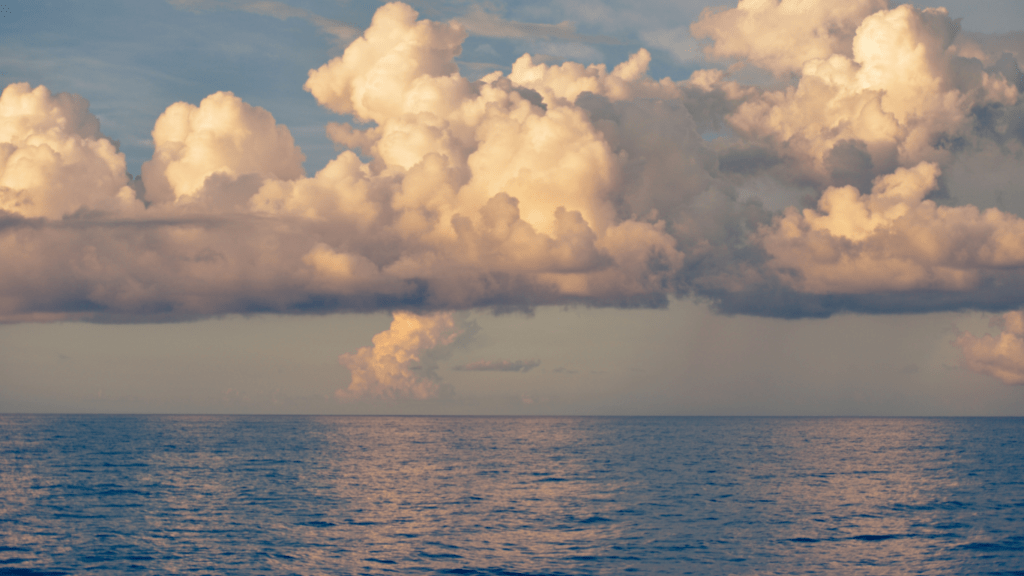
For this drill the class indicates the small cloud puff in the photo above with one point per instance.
(222, 136)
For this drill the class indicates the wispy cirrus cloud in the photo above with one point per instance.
(343, 33)
(499, 366)
(481, 23)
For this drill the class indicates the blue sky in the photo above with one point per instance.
(132, 60)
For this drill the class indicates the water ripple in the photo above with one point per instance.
(502, 496)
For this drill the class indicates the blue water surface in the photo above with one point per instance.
(503, 496)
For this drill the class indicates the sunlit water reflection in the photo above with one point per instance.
(376, 495)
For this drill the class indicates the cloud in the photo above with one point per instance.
(554, 184)
(223, 136)
(903, 96)
(500, 366)
(893, 239)
(342, 33)
(566, 82)
(901, 106)
(54, 162)
(1001, 357)
(400, 363)
(480, 23)
(799, 31)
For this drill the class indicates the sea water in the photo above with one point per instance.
(503, 496)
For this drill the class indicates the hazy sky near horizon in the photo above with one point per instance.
(814, 217)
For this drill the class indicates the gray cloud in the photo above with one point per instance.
(499, 366)
(480, 23)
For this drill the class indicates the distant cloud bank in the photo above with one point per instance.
(553, 184)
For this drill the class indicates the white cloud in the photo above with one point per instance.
(53, 160)
(399, 364)
(893, 240)
(902, 93)
(554, 184)
(783, 35)
(1001, 357)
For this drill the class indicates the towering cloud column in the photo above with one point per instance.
(399, 364)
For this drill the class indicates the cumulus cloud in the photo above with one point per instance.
(553, 184)
(871, 122)
(893, 239)
(222, 136)
(904, 95)
(500, 366)
(400, 363)
(1001, 357)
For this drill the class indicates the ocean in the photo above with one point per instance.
(155, 494)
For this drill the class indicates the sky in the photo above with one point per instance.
(331, 207)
